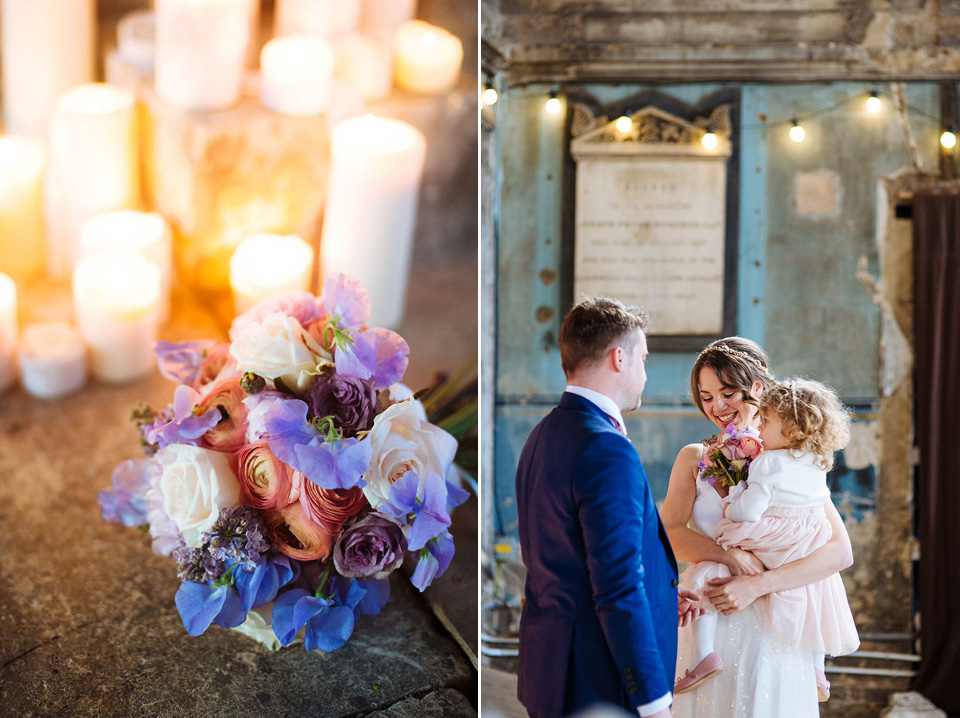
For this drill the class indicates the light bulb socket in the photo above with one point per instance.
(794, 122)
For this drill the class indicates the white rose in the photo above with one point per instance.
(258, 626)
(278, 347)
(196, 483)
(401, 441)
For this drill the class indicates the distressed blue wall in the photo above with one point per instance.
(799, 295)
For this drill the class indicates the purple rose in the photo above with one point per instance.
(369, 547)
(350, 401)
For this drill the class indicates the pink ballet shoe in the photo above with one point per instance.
(823, 686)
(705, 670)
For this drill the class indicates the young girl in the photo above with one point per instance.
(778, 516)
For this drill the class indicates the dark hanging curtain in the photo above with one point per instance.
(936, 236)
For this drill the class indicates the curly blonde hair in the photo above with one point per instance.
(812, 417)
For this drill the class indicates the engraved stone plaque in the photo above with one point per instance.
(650, 218)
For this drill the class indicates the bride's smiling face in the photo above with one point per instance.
(723, 404)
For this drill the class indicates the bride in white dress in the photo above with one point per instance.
(762, 677)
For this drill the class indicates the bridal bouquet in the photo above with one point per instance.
(727, 457)
(292, 473)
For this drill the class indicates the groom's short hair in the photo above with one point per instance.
(593, 327)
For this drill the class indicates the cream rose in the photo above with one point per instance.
(259, 628)
(401, 441)
(278, 347)
(195, 484)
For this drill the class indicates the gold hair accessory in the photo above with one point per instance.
(730, 351)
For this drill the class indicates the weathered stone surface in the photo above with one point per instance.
(447, 703)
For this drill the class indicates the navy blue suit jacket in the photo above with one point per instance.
(600, 616)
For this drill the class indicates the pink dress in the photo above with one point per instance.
(779, 517)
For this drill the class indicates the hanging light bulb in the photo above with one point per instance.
(797, 133)
(554, 106)
(873, 102)
(948, 139)
(624, 124)
(709, 139)
(489, 95)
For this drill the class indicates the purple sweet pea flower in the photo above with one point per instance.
(257, 407)
(329, 620)
(379, 355)
(349, 400)
(184, 428)
(429, 512)
(201, 604)
(346, 299)
(338, 464)
(126, 502)
(434, 560)
(181, 361)
(369, 547)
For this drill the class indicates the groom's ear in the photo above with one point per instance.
(617, 358)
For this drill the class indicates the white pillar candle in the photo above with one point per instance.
(137, 39)
(295, 75)
(265, 265)
(366, 63)
(376, 165)
(428, 58)
(201, 52)
(21, 207)
(53, 360)
(92, 167)
(115, 298)
(327, 18)
(47, 48)
(146, 233)
(8, 330)
(386, 15)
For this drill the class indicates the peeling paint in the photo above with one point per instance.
(864, 447)
(896, 355)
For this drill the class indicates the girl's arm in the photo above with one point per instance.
(738, 592)
(689, 545)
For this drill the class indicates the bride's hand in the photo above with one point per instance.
(734, 593)
(743, 563)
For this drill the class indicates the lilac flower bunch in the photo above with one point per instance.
(283, 480)
(727, 456)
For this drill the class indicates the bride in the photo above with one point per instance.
(762, 677)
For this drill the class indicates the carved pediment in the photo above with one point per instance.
(652, 131)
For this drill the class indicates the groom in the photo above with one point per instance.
(598, 623)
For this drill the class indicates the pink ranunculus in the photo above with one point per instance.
(751, 446)
(295, 535)
(265, 481)
(215, 365)
(322, 333)
(301, 305)
(330, 508)
(230, 433)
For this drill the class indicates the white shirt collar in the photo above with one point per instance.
(607, 405)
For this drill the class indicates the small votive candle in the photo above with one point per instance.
(116, 301)
(22, 237)
(296, 72)
(327, 18)
(8, 330)
(265, 265)
(427, 59)
(146, 233)
(137, 39)
(53, 360)
(366, 63)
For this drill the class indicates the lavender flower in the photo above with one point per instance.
(346, 300)
(184, 427)
(181, 361)
(196, 564)
(426, 512)
(379, 355)
(126, 502)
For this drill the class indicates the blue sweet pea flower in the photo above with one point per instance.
(336, 464)
(201, 604)
(428, 511)
(259, 586)
(377, 593)
(329, 619)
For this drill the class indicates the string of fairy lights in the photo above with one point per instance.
(872, 103)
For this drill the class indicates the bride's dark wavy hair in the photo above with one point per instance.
(738, 363)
